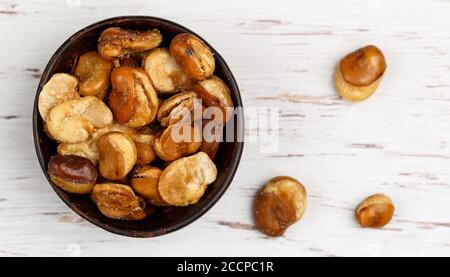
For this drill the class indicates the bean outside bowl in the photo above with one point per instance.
(164, 220)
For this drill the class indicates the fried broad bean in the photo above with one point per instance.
(118, 43)
(117, 154)
(185, 181)
(177, 141)
(88, 149)
(193, 56)
(145, 182)
(94, 74)
(375, 211)
(75, 120)
(122, 98)
(291, 190)
(178, 107)
(279, 204)
(273, 215)
(60, 88)
(359, 73)
(215, 93)
(144, 139)
(166, 74)
(145, 153)
(138, 213)
(133, 100)
(118, 201)
(72, 173)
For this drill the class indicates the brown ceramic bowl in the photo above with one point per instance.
(164, 220)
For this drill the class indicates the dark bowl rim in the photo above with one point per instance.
(118, 231)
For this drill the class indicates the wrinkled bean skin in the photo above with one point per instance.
(148, 101)
(281, 203)
(215, 93)
(273, 215)
(122, 99)
(193, 56)
(290, 190)
(118, 201)
(133, 100)
(177, 107)
(375, 211)
(94, 72)
(115, 196)
(118, 43)
(72, 173)
(139, 213)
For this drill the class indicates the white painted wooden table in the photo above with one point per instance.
(283, 53)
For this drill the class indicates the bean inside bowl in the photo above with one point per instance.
(165, 219)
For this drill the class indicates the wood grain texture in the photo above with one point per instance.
(283, 54)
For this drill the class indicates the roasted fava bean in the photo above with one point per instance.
(177, 107)
(72, 173)
(291, 190)
(145, 153)
(145, 182)
(166, 74)
(60, 88)
(133, 100)
(215, 93)
(273, 215)
(139, 213)
(359, 73)
(280, 203)
(193, 56)
(117, 154)
(177, 141)
(375, 211)
(117, 201)
(88, 149)
(94, 74)
(122, 98)
(75, 120)
(118, 43)
(144, 139)
(184, 181)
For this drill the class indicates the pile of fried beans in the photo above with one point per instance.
(125, 126)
